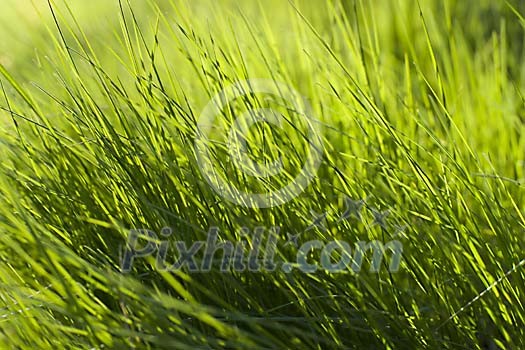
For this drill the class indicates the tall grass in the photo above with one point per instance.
(421, 106)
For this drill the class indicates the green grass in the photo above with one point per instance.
(421, 106)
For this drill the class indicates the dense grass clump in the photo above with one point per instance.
(420, 111)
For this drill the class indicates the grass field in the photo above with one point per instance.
(406, 118)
